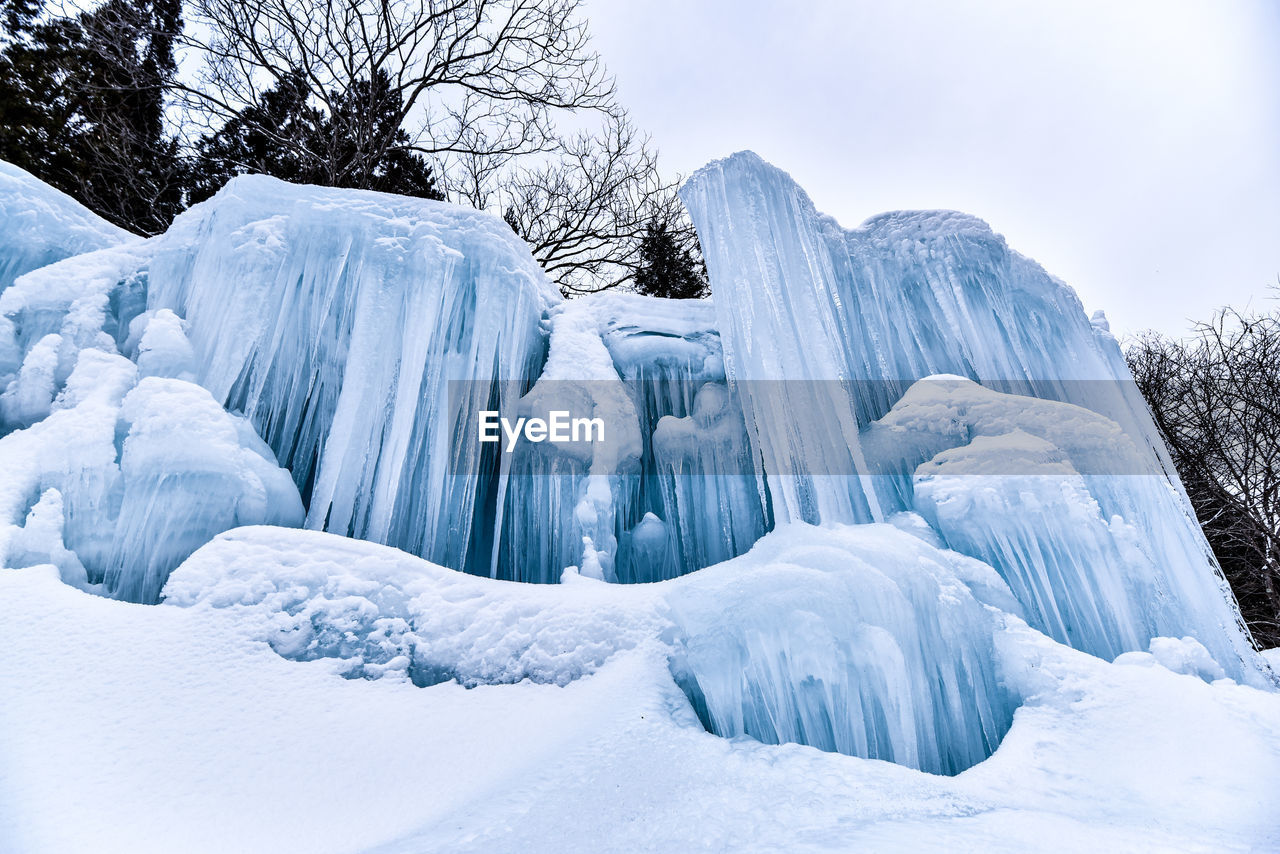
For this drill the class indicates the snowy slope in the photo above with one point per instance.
(162, 729)
(40, 225)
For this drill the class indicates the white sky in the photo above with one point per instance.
(1132, 147)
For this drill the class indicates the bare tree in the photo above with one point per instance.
(463, 78)
(1216, 400)
(477, 86)
(583, 210)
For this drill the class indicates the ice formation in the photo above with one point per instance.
(858, 639)
(351, 315)
(40, 225)
(905, 296)
(880, 448)
(671, 490)
(126, 478)
(1095, 542)
(1093, 534)
(862, 640)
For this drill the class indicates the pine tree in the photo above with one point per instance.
(82, 106)
(359, 145)
(668, 267)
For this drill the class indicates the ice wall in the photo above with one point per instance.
(904, 296)
(40, 225)
(336, 320)
(671, 490)
(1096, 538)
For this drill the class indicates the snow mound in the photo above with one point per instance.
(124, 479)
(40, 225)
(862, 640)
(872, 643)
(386, 613)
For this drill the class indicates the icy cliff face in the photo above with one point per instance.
(40, 225)
(1071, 503)
(335, 320)
(282, 345)
(671, 490)
(904, 296)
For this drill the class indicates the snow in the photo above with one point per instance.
(40, 225)
(902, 562)
(202, 739)
(124, 479)
(84, 302)
(385, 613)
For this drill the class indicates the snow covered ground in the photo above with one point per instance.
(139, 728)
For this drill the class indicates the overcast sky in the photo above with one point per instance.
(1131, 147)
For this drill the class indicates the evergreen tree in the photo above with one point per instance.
(668, 266)
(267, 138)
(82, 106)
(358, 145)
(18, 15)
